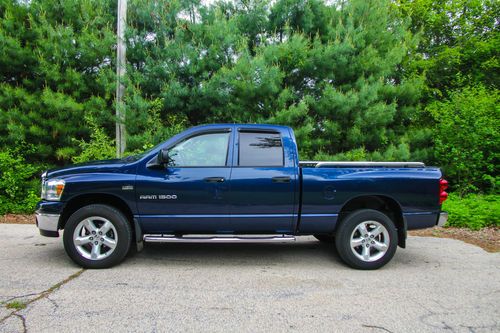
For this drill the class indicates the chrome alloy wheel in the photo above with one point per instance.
(95, 238)
(370, 241)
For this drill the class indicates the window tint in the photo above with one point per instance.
(204, 150)
(260, 149)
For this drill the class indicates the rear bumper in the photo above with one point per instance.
(443, 217)
(47, 224)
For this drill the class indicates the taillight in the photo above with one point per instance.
(443, 185)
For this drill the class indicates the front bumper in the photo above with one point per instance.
(47, 224)
(443, 217)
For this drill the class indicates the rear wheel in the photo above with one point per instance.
(97, 236)
(366, 239)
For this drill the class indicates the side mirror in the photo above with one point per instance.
(161, 161)
(163, 157)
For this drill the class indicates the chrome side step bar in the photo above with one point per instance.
(217, 239)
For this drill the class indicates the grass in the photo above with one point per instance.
(16, 305)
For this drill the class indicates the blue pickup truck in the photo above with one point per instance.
(237, 183)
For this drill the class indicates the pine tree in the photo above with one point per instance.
(56, 65)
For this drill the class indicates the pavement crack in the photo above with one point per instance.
(54, 303)
(472, 329)
(23, 321)
(39, 296)
(58, 285)
(16, 297)
(377, 327)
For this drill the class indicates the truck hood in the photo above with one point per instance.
(115, 165)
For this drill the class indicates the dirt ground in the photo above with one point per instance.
(487, 238)
(17, 219)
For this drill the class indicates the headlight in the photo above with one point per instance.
(52, 190)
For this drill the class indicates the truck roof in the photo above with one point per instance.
(218, 125)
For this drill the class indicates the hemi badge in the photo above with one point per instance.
(127, 187)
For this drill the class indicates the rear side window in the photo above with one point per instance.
(260, 149)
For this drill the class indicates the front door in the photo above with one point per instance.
(263, 184)
(190, 195)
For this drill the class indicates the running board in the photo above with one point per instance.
(217, 239)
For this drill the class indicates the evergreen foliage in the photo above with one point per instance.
(55, 67)
(331, 73)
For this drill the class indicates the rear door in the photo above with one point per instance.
(263, 183)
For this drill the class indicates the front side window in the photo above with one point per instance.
(260, 149)
(205, 150)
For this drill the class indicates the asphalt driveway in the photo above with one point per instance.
(433, 285)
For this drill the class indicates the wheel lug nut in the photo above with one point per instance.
(367, 245)
(100, 232)
(102, 239)
(371, 236)
(366, 236)
(93, 232)
(362, 241)
(373, 242)
(91, 238)
(96, 243)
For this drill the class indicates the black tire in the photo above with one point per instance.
(347, 228)
(118, 221)
(329, 239)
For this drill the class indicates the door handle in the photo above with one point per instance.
(285, 179)
(214, 179)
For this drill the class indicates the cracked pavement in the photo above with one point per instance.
(432, 285)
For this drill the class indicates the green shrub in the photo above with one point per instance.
(19, 186)
(391, 153)
(473, 211)
(99, 147)
(467, 138)
(150, 127)
(152, 131)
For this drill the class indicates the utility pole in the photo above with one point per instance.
(121, 68)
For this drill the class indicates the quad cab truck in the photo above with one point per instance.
(237, 183)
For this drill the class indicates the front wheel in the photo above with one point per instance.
(97, 236)
(366, 239)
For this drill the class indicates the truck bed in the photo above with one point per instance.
(328, 186)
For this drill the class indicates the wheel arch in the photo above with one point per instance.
(83, 200)
(382, 203)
